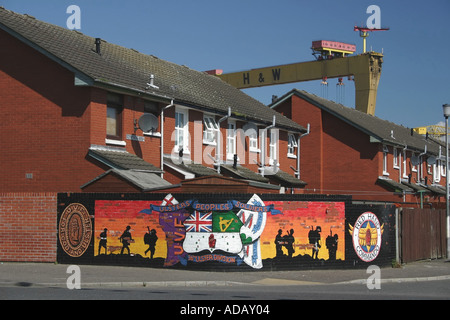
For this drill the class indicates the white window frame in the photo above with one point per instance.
(182, 130)
(397, 158)
(405, 174)
(443, 169)
(231, 140)
(253, 141)
(413, 167)
(385, 155)
(210, 129)
(292, 146)
(273, 146)
(437, 171)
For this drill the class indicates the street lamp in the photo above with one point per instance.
(446, 109)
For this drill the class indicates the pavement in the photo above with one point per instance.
(56, 275)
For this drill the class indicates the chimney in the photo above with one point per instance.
(98, 43)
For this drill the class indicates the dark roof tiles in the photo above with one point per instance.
(117, 66)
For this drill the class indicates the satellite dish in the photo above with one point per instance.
(148, 122)
(431, 160)
(415, 160)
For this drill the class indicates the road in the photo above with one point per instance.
(426, 290)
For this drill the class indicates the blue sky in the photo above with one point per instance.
(236, 35)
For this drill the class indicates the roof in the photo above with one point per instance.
(126, 69)
(223, 182)
(193, 168)
(145, 181)
(379, 130)
(241, 172)
(394, 185)
(118, 158)
(285, 179)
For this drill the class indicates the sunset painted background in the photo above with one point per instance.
(117, 215)
(297, 215)
(301, 216)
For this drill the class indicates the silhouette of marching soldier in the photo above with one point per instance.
(126, 239)
(332, 243)
(279, 242)
(289, 242)
(150, 239)
(103, 241)
(314, 238)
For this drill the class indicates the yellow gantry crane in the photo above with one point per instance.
(332, 62)
(434, 131)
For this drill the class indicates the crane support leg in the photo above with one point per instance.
(367, 77)
(366, 69)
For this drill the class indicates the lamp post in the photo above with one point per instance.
(446, 109)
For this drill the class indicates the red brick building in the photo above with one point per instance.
(350, 152)
(75, 109)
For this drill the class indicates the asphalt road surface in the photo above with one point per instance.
(427, 290)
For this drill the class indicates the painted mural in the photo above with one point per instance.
(250, 234)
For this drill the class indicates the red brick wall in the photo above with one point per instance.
(28, 227)
(336, 158)
(46, 123)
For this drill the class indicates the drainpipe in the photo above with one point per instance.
(420, 168)
(219, 140)
(263, 145)
(400, 173)
(162, 136)
(298, 150)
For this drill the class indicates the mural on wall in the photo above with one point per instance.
(189, 233)
(366, 236)
(307, 231)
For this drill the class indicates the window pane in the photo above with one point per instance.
(111, 121)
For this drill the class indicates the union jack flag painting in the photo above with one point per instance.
(199, 222)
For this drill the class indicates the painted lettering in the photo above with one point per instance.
(276, 73)
(246, 78)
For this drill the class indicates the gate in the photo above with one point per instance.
(423, 234)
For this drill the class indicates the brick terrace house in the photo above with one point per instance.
(350, 152)
(75, 109)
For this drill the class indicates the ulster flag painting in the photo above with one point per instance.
(213, 231)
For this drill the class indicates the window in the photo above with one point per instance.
(405, 174)
(152, 107)
(251, 131)
(231, 139)
(437, 171)
(114, 108)
(385, 156)
(210, 129)
(253, 141)
(414, 161)
(292, 146)
(181, 130)
(397, 158)
(273, 146)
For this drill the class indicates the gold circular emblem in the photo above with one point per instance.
(75, 230)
